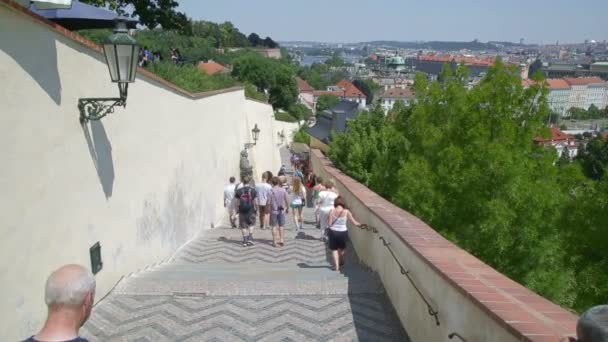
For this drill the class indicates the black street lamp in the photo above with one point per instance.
(122, 53)
(255, 134)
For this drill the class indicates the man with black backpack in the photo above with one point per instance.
(247, 207)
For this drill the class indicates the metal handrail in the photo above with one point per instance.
(455, 334)
(431, 310)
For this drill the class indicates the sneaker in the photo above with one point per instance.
(245, 244)
(250, 243)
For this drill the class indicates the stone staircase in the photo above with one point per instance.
(214, 289)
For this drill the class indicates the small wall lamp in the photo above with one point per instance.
(255, 134)
(122, 53)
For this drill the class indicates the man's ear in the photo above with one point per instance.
(89, 300)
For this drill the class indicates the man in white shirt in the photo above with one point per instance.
(263, 192)
(228, 197)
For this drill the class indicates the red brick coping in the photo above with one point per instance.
(527, 315)
(95, 47)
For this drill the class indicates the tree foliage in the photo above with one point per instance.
(368, 87)
(321, 75)
(463, 161)
(300, 111)
(151, 13)
(326, 101)
(269, 76)
(191, 78)
(593, 112)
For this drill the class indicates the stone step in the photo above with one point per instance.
(250, 279)
(253, 272)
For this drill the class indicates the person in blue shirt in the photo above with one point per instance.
(69, 294)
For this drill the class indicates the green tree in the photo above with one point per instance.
(335, 61)
(254, 39)
(268, 75)
(368, 87)
(464, 162)
(151, 13)
(284, 90)
(300, 111)
(594, 158)
(326, 101)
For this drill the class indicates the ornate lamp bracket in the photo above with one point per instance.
(95, 108)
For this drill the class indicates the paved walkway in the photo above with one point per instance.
(215, 289)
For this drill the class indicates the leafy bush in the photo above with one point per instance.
(191, 78)
(283, 116)
(464, 162)
(301, 136)
(326, 101)
(252, 93)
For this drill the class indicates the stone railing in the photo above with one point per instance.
(441, 292)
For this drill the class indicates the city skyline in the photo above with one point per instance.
(340, 21)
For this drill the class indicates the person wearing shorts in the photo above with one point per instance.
(262, 190)
(338, 231)
(246, 205)
(298, 198)
(279, 208)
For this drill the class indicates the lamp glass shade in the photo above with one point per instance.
(122, 54)
(255, 132)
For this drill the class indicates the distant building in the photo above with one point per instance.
(559, 95)
(270, 53)
(571, 92)
(561, 141)
(344, 90)
(306, 93)
(390, 96)
(210, 67)
(587, 91)
(576, 68)
(332, 120)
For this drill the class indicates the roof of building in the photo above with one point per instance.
(328, 92)
(557, 83)
(583, 80)
(398, 93)
(210, 67)
(304, 86)
(350, 90)
(342, 112)
(556, 136)
(487, 61)
(528, 82)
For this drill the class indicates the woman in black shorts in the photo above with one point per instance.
(338, 231)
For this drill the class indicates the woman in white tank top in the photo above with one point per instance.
(325, 202)
(338, 231)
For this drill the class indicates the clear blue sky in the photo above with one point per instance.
(537, 21)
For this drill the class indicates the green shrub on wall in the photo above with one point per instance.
(190, 77)
(300, 135)
(283, 116)
(252, 93)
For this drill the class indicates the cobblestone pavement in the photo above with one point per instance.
(214, 289)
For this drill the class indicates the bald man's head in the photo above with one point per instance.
(70, 285)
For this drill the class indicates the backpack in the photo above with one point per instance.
(246, 200)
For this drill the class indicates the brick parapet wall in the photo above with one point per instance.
(525, 314)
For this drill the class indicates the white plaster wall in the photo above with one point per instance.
(265, 154)
(456, 312)
(142, 181)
